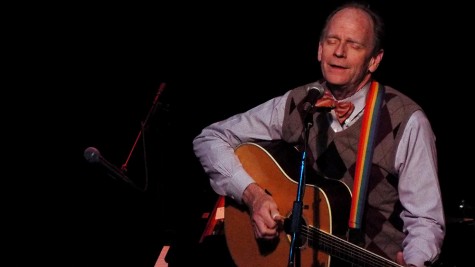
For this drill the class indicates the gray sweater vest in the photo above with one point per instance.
(333, 155)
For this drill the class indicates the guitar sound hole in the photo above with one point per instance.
(302, 239)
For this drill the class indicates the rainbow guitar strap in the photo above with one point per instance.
(371, 114)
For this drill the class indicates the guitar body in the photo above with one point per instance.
(320, 210)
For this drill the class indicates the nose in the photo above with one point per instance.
(340, 50)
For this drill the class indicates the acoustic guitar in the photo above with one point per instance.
(325, 212)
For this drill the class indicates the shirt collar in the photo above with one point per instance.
(359, 100)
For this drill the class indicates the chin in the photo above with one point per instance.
(336, 80)
(336, 77)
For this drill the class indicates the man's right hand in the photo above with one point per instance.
(265, 216)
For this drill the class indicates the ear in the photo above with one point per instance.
(375, 60)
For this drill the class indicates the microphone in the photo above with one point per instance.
(93, 155)
(314, 93)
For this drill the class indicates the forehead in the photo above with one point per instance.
(352, 22)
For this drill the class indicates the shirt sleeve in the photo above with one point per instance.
(215, 145)
(419, 192)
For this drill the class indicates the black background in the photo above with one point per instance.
(100, 68)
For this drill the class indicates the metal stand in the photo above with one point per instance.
(294, 254)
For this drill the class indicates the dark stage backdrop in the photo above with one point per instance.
(109, 61)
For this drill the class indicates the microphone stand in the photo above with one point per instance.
(294, 253)
(143, 124)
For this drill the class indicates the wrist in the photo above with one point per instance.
(251, 193)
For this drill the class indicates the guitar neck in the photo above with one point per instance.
(344, 250)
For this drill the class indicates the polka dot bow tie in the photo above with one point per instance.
(343, 109)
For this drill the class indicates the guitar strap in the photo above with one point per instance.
(364, 156)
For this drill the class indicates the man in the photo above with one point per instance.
(403, 213)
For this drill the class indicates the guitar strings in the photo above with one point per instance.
(343, 249)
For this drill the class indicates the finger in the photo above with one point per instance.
(277, 217)
(269, 233)
(261, 230)
(257, 232)
(400, 258)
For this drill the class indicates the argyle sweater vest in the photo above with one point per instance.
(333, 155)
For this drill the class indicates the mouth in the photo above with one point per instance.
(336, 66)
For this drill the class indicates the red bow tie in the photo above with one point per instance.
(343, 109)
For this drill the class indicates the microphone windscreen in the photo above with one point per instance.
(92, 155)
